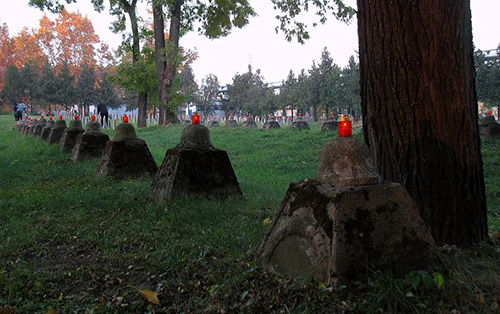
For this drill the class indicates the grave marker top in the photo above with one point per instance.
(346, 161)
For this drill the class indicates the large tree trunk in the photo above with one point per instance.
(420, 111)
(130, 8)
(172, 56)
(142, 110)
(161, 63)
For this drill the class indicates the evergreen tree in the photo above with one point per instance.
(85, 87)
(12, 89)
(48, 87)
(106, 91)
(66, 94)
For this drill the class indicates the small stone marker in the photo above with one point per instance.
(249, 123)
(213, 123)
(194, 166)
(126, 155)
(91, 143)
(271, 123)
(37, 131)
(299, 124)
(46, 129)
(57, 131)
(489, 128)
(334, 226)
(70, 135)
(28, 127)
(329, 124)
(231, 122)
(17, 125)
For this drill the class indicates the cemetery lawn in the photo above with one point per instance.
(72, 242)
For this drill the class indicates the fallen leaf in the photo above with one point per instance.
(7, 310)
(494, 234)
(266, 221)
(480, 298)
(51, 312)
(150, 296)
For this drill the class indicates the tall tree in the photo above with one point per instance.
(120, 9)
(11, 91)
(246, 91)
(29, 82)
(217, 19)
(488, 78)
(349, 89)
(208, 92)
(420, 110)
(85, 87)
(419, 107)
(48, 87)
(66, 93)
(106, 91)
(288, 92)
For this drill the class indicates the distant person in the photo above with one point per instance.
(21, 108)
(102, 110)
(14, 110)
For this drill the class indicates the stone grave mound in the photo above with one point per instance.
(70, 135)
(299, 124)
(56, 132)
(91, 143)
(344, 221)
(249, 123)
(126, 155)
(271, 124)
(46, 130)
(195, 167)
(37, 131)
(231, 122)
(489, 128)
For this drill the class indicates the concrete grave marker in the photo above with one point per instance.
(70, 135)
(126, 155)
(195, 167)
(299, 124)
(56, 131)
(344, 220)
(91, 143)
(271, 123)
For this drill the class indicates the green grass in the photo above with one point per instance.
(77, 243)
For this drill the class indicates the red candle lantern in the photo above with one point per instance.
(489, 112)
(92, 118)
(50, 118)
(60, 117)
(345, 127)
(41, 117)
(125, 118)
(76, 117)
(195, 119)
(36, 119)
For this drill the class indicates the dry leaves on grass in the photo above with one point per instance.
(150, 296)
(7, 310)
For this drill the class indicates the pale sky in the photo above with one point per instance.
(257, 44)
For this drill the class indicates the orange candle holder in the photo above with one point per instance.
(195, 119)
(345, 127)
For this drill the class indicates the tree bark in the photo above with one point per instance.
(420, 111)
(142, 97)
(161, 63)
(172, 57)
